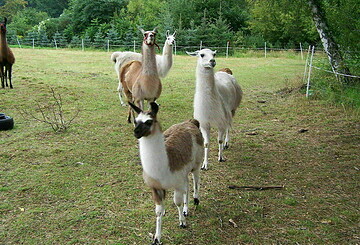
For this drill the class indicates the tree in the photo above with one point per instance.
(281, 21)
(330, 46)
(11, 8)
(53, 7)
(26, 19)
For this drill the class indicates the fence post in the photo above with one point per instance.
(175, 47)
(82, 44)
(55, 43)
(306, 63)
(227, 49)
(200, 45)
(265, 49)
(108, 45)
(18, 42)
(134, 46)
(301, 52)
(33, 43)
(310, 66)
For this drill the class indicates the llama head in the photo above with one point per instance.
(170, 38)
(206, 58)
(149, 36)
(3, 26)
(144, 122)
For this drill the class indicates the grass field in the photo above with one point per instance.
(84, 186)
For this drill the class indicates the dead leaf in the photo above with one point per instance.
(233, 223)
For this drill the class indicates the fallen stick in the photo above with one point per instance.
(256, 188)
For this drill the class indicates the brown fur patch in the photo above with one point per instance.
(227, 70)
(177, 143)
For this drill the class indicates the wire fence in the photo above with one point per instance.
(109, 45)
(317, 60)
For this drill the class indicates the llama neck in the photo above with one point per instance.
(149, 60)
(153, 154)
(167, 54)
(3, 42)
(205, 79)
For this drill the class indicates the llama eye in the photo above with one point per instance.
(202, 55)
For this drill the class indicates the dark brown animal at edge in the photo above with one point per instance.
(7, 58)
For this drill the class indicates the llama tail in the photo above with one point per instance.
(114, 56)
(195, 122)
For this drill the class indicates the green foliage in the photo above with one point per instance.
(281, 21)
(26, 19)
(11, 8)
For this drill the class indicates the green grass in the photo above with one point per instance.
(84, 186)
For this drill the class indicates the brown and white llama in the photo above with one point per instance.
(140, 80)
(7, 58)
(163, 62)
(167, 159)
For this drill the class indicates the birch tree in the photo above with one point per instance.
(331, 48)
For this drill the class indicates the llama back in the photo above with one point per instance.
(184, 137)
(229, 89)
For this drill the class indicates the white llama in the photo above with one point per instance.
(217, 97)
(167, 159)
(163, 62)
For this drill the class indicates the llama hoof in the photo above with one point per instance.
(226, 146)
(196, 201)
(222, 159)
(183, 225)
(156, 242)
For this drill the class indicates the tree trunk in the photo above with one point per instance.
(330, 46)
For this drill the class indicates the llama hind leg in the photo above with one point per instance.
(179, 202)
(227, 139)
(196, 179)
(9, 75)
(221, 135)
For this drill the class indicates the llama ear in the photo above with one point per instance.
(155, 29)
(167, 33)
(174, 34)
(154, 108)
(5, 20)
(135, 108)
(193, 53)
(142, 30)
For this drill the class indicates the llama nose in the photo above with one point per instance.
(213, 62)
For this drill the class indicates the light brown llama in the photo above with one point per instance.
(140, 80)
(7, 58)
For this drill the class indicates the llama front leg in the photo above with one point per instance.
(158, 197)
(221, 135)
(179, 202)
(159, 211)
(206, 134)
(2, 77)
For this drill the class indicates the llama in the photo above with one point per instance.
(7, 58)
(167, 159)
(217, 97)
(163, 62)
(140, 80)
